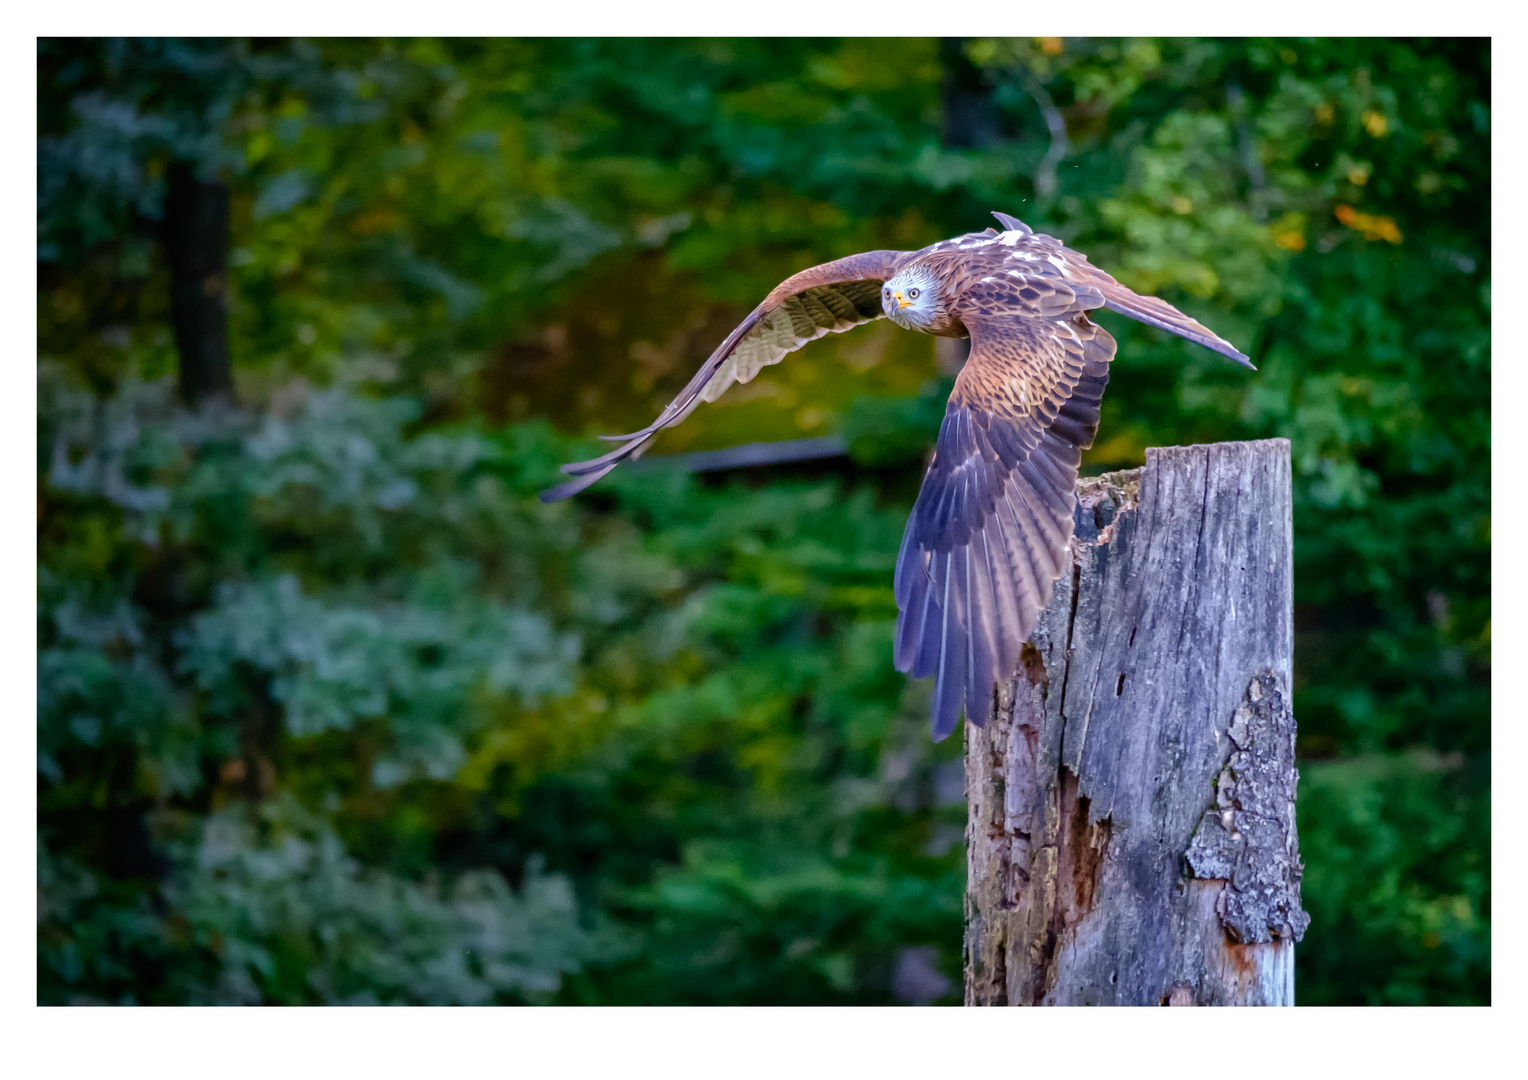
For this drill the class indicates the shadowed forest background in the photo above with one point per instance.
(331, 709)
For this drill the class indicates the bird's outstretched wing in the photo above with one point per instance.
(830, 298)
(1076, 269)
(989, 532)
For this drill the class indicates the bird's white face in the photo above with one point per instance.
(911, 299)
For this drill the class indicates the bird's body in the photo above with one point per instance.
(988, 535)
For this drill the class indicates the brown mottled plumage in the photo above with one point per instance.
(988, 535)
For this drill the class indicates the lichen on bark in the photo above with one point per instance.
(1249, 837)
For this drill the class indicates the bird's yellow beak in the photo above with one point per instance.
(900, 302)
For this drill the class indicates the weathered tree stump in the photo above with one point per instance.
(1131, 838)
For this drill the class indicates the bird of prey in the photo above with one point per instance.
(989, 533)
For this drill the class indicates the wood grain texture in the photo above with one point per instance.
(1131, 836)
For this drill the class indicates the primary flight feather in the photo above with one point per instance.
(989, 533)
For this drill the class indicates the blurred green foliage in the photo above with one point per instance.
(331, 709)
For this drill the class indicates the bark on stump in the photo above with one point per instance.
(1131, 833)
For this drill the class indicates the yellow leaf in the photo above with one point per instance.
(1375, 122)
(1289, 232)
(1290, 240)
(1182, 204)
(1373, 226)
(1050, 46)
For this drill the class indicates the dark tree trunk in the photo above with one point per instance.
(196, 232)
(1131, 837)
(971, 118)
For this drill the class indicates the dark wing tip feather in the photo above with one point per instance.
(574, 486)
(1136, 307)
(969, 593)
(609, 460)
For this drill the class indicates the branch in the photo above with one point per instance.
(1045, 174)
(749, 454)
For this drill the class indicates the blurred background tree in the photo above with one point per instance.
(331, 709)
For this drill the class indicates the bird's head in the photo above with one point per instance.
(912, 299)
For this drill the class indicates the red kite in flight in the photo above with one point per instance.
(988, 535)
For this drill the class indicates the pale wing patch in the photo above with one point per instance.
(799, 319)
(837, 295)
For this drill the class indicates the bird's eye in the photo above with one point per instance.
(912, 294)
(886, 293)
